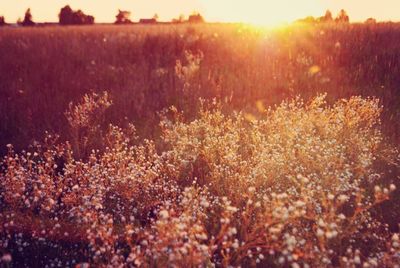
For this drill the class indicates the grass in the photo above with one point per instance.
(43, 69)
(200, 146)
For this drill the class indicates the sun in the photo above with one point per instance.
(260, 12)
(266, 22)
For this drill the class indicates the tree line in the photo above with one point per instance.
(68, 16)
(342, 17)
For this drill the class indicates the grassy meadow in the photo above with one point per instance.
(211, 145)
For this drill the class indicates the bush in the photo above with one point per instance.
(294, 185)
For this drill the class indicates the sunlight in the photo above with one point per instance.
(260, 13)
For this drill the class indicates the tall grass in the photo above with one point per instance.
(210, 147)
(43, 69)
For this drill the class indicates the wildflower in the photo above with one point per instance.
(331, 234)
(235, 244)
(295, 265)
(6, 258)
(343, 198)
(392, 187)
(395, 237)
(232, 231)
(204, 203)
(386, 191)
(164, 214)
(357, 260)
(320, 232)
(377, 189)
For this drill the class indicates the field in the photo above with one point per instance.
(200, 145)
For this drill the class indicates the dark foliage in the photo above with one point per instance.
(327, 17)
(196, 18)
(180, 19)
(28, 18)
(123, 17)
(370, 21)
(148, 21)
(2, 21)
(342, 17)
(68, 16)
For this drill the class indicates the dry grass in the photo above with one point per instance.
(43, 69)
(262, 171)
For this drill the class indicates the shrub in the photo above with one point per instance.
(86, 120)
(293, 185)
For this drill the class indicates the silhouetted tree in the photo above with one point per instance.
(327, 17)
(28, 18)
(156, 17)
(180, 19)
(342, 17)
(196, 18)
(309, 19)
(370, 21)
(148, 21)
(2, 21)
(123, 17)
(68, 16)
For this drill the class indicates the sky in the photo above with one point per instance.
(248, 11)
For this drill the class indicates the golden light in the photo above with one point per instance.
(261, 12)
(256, 12)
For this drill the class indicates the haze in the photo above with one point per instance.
(251, 11)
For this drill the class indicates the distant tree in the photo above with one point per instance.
(180, 19)
(82, 18)
(196, 18)
(156, 17)
(309, 19)
(148, 21)
(67, 16)
(342, 17)
(2, 21)
(123, 17)
(327, 17)
(370, 21)
(28, 18)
